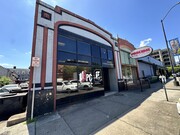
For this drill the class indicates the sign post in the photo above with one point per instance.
(163, 79)
(35, 63)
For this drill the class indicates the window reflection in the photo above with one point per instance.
(66, 44)
(73, 80)
(103, 53)
(64, 75)
(84, 48)
(66, 57)
(95, 51)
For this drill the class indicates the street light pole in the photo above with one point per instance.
(175, 81)
(167, 46)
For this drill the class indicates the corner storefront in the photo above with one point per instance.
(77, 59)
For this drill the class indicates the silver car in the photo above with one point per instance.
(12, 87)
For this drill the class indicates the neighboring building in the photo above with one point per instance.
(19, 74)
(149, 66)
(163, 56)
(128, 64)
(4, 72)
(16, 75)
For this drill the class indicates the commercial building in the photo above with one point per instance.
(77, 59)
(129, 65)
(149, 66)
(163, 56)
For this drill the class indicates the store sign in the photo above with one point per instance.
(141, 52)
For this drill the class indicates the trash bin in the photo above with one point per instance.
(121, 85)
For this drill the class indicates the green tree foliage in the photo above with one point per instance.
(4, 80)
(176, 69)
(178, 52)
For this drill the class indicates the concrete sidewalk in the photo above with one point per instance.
(170, 85)
(125, 113)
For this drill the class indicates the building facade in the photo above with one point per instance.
(163, 56)
(149, 66)
(4, 72)
(78, 59)
(20, 74)
(129, 65)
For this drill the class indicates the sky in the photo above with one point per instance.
(138, 21)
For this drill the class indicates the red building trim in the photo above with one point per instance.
(60, 23)
(122, 43)
(33, 45)
(44, 57)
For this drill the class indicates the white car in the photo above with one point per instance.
(4, 92)
(66, 86)
(82, 85)
(24, 85)
(12, 87)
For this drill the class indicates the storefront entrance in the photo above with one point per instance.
(82, 68)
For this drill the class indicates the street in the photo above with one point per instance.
(124, 113)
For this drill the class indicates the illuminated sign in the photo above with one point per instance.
(141, 52)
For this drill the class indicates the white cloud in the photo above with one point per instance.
(1, 56)
(6, 65)
(145, 42)
(28, 53)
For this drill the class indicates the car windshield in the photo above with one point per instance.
(9, 86)
(67, 83)
(3, 90)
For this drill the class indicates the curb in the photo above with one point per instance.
(16, 119)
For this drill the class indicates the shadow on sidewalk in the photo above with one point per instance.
(90, 116)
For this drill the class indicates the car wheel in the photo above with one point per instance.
(85, 87)
(68, 90)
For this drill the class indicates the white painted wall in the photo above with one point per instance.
(45, 22)
(148, 69)
(86, 34)
(38, 53)
(49, 62)
(70, 18)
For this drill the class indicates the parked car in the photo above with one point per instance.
(5, 92)
(12, 87)
(66, 86)
(82, 85)
(24, 85)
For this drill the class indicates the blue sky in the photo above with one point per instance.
(137, 21)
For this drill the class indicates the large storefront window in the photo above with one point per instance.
(129, 69)
(80, 66)
(73, 80)
(126, 59)
(66, 44)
